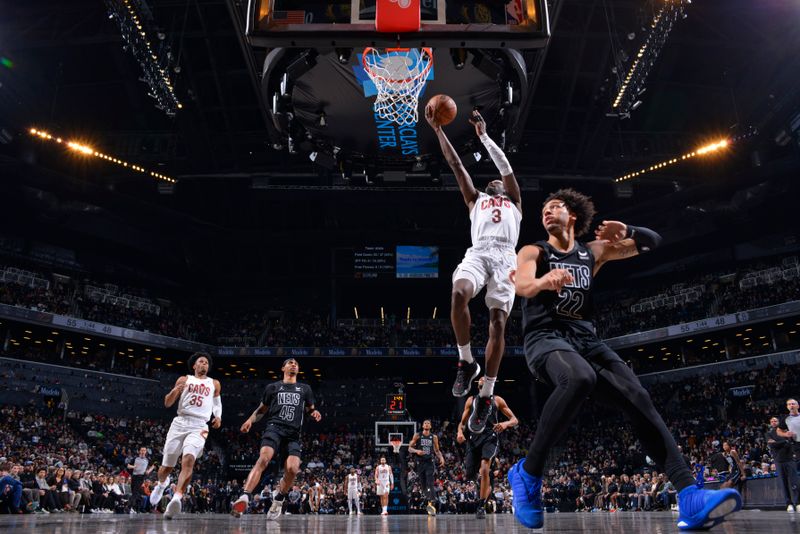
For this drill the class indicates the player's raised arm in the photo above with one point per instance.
(499, 158)
(462, 176)
(175, 393)
(616, 241)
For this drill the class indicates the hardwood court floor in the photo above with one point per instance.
(748, 521)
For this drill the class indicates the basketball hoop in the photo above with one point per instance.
(399, 75)
(396, 443)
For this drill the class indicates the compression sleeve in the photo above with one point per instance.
(216, 408)
(497, 155)
(645, 238)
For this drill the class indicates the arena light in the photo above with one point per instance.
(632, 85)
(158, 63)
(704, 150)
(89, 151)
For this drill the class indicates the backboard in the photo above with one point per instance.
(444, 23)
(384, 428)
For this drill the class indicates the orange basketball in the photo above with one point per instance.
(444, 109)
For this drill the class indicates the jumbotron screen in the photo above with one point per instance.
(417, 261)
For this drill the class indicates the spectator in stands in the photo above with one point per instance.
(10, 489)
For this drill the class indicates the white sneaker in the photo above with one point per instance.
(275, 510)
(173, 509)
(240, 505)
(352, 512)
(158, 492)
(384, 513)
(790, 509)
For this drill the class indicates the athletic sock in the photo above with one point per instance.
(465, 353)
(385, 508)
(488, 386)
(177, 496)
(248, 494)
(482, 503)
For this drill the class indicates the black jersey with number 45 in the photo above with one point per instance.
(286, 403)
(573, 304)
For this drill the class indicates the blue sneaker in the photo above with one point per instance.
(527, 496)
(701, 509)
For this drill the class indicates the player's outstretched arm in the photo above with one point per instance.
(499, 159)
(502, 405)
(172, 396)
(616, 240)
(254, 417)
(463, 178)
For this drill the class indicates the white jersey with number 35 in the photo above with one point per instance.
(495, 218)
(197, 398)
(384, 473)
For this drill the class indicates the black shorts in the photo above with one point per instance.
(284, 441)
(482, 448)
(425, 471)
(568, 338)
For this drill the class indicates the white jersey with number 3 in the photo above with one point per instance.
(495, 218)
(197, 398)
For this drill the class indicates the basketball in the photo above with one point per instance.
(444, 109)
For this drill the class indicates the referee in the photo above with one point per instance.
(140, 469)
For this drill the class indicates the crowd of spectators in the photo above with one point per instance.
(616, 314)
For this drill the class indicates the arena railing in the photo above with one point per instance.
(127, 335)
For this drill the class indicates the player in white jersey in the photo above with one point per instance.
(353, 491)
(496, 216)
(198, 398)
(384, 483)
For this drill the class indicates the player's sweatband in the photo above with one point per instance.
(497, 155)
(216, 407)
(645, 238)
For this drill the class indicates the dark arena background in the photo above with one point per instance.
(210, 176)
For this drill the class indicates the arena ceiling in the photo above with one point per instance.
(729, 69)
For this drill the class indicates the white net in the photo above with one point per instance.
(399, 76)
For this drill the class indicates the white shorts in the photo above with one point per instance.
(490, 265)
(382, 488)
(187, 435)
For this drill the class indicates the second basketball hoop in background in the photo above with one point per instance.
(444, 109)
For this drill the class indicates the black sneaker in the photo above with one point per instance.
(465, 374)
(482, 408)
(480, 513)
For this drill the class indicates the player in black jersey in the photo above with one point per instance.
(425, 445)
(482, 448)
(556, 280)
(285, 403)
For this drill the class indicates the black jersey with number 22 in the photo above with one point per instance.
(573, 304)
